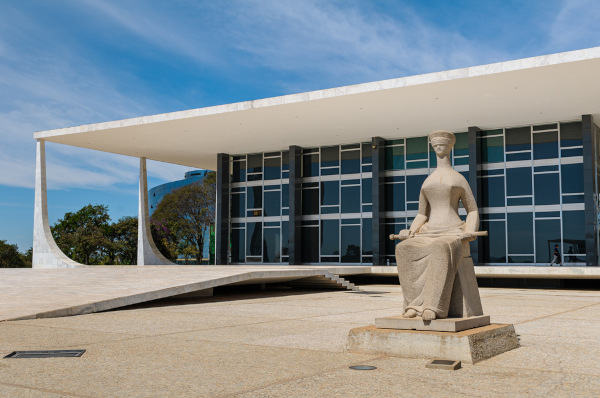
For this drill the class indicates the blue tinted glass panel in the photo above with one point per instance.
(285, 195)
(394, 158)
(511, 157)
(285, 236)
(310, 201)
(330, 156)
(351, 199)
(310, 165)
(492, 150)
(271, 243)
(367, 236)
(330, 193)
(254, 198)
(547, 234)
(519, 201)
(350, 162)
(570, 152)
(394, 197)
(310, 242)
(417, 148)
(272, 168)
(494, 245)
(520, 259)
(350, 244)
(330, 209)
(518, 181)
(367, 189)
(573, 236)
(518, 139)
(545, 145)
(254, 239)
(492, 189)
(238, 245)
(390, 245)
(421, 164)
(461, 147)
(572, 178)
(413, 187)
(330, 172)
(330, 237)
(572, 199)
(285, 160)
(547, 191)
(255, 163)
(520, 233)
(238, 205)
(570, 134)
(239, 172)
(272, 206)
(461, 161)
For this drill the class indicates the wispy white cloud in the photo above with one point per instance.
(577, 25)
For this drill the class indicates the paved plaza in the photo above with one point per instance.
(282, 342)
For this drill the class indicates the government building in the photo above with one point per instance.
(324, 177)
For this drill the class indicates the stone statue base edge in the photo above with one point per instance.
(437, 325)
(468, 346)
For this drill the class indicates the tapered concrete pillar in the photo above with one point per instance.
(147, 252)
(46, 253)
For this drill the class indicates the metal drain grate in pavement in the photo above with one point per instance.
(46, 354)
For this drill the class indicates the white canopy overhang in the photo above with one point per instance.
(534, 90)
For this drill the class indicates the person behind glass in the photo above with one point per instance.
(556, 259)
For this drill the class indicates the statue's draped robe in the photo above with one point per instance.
(427, 266)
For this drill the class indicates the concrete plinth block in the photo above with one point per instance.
(437, 325)
(469, 346)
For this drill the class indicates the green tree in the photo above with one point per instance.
(185, 215)
(83, 236)
(10, 256)
(122, 235)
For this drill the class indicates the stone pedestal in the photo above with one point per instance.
(469, 346)
(437, 325)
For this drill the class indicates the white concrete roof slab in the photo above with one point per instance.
(533, 90)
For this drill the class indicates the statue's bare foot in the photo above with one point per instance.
(428, 315)
(410, 313)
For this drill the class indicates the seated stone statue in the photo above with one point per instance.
(433, 248)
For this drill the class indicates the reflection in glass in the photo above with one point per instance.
(254, 197)
(239, 172)
(330, 156)
(570, 134)
(351, 162)
(310, 165)
(518, 139)
(272, 168)
(350, 244)
(254, 241)
(238, 205)
(330, 193)
(285, 195)
(255, 163)
(272, 206)
(285, 236)
(518, 181)
(546, 188)
(547, 234)
(545, 145)
(520, 233)
(351, 199)
(461, 148)
(494, 245)
(367, 236)
(492, 191)
(271, 241)
(417, 148)
(330, 237)
(394, 197)
(572, 178)
(413, 187)
(394, 158)
(238, 245)
(573, 236)
(367, 189)
(492, 149)
(310, 242)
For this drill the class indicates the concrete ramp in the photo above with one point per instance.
(47, 293)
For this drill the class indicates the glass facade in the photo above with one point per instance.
(530, 178)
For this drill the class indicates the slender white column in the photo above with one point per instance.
(147, 253)
(46, 253)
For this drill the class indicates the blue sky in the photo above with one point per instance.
(66, 63)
